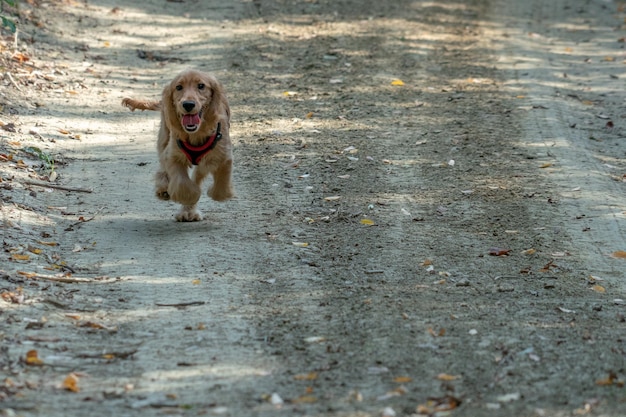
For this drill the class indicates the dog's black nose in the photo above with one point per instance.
(189, 105)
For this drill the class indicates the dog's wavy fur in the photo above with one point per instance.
(173, 180)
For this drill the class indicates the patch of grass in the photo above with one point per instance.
(46, 158)
(6, 22)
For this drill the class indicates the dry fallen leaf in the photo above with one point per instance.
(621, 254)
(611, 379)
(304, 399)
(71, 383)
(598, 288)
(433, 333)
(447, 377)
(311, 376)
(438, 405)
(32, 358)
(367, 222)
(499, 252)
(402, 379)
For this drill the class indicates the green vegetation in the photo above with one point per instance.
(6, 22)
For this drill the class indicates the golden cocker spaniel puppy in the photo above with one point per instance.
(194, 133)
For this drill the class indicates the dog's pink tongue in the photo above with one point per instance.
(191, 119)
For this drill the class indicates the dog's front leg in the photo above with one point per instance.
(188, 214)
(181, 188)
(222, 188)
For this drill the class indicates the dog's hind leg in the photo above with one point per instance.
(161, 182)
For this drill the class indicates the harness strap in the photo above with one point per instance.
(195, 153)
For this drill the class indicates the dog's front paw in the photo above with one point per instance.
(188, 214)
(221, 194)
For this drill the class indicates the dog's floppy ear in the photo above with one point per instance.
(168, 107)
(218, 102)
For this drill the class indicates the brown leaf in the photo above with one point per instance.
(499, 252)
(32, 358)
(611, 379)
(311, 376)
(621, 254)
(71, 383)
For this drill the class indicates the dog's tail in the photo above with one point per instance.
(133, 104)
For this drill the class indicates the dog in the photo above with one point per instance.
(194, 133)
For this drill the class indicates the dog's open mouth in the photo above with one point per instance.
(191, 122)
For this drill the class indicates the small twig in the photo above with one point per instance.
(58, 187)
(10, 77)
(375, 271)
(109, 355)
(65, 279)
(83, 220)
(191, 303)
(55, 303)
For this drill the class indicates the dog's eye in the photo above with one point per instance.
(200, 86)
(179, 87)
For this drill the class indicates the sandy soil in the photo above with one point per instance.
(430, 211)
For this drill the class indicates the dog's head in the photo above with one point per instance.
(191, 99)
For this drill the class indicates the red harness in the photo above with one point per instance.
(196, 153)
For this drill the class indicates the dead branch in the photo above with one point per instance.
(58, 187)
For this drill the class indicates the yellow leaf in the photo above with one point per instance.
(609, 58)
(305, 399)
(18, 257)
(367, 222)
(311, 376)
(520, 97)
(402, 379)
(598, 288)
(309, 115)
(587, 102)
(36, 251)
(108, 356)
(47, 243)
(196, 282)
(32, 358)
(427, 262)
(71, 383)
(447, 377)
(397, 82)
(73, 316)
(27, 274)
(300, 244)
(64, 132)
(619, 254)
(546, 165)
(107, 44)
(530, 251)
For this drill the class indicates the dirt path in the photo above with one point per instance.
(429, 215)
